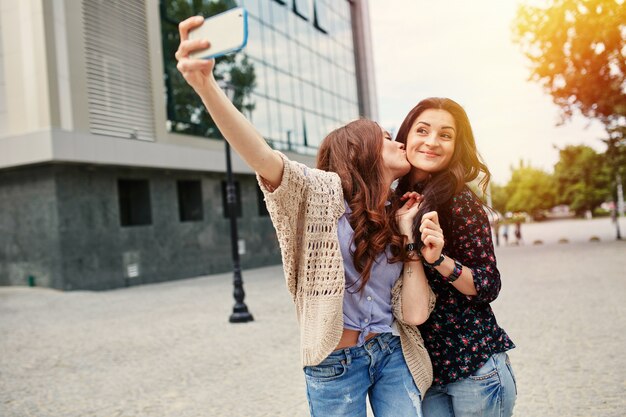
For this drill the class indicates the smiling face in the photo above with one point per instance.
(430, 143)
(394, 157)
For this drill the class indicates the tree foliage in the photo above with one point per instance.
(185, 111)
(530, 190)
(577, 51)
(582, 177)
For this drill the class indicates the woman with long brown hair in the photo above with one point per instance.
(344, 257)
(472, 372)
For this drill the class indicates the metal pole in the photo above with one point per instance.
(619, 207)
(240, 310)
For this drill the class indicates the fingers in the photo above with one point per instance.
(186, 25)
(411, 194)
(185, 65)
(432, 216)
(433, 241)
(188, 46)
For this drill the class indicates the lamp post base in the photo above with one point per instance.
(240, 314)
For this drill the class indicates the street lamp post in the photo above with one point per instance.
(240, 310)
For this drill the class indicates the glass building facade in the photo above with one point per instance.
(303, 59)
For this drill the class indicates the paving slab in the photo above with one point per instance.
(168, 349)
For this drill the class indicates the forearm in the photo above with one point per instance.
(242, 135)
(464, 283)
(415, 293)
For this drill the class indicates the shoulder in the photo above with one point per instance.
(466, 203)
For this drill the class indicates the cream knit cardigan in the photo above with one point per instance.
(305, 209)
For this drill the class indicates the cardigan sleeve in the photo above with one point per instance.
(287, 205)
(470, 243)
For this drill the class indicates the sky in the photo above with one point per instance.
(464, 50)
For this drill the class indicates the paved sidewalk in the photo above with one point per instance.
(168, 349)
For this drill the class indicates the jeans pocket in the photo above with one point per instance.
(326, 372)
(488, 370)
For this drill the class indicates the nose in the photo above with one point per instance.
(401, 145)
(431, 140)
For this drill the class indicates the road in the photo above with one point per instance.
(168, 349)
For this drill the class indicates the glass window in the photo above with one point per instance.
(189, 200)
(289, 123)
(276, 132)
(280, 15)
(302, 8)
(134, 202)
(260, 116)
(308, 97)
(300, 30)
(272, 82)
(253, 7)
(296, 91)
(281, 50)
(320, 19)
(284, 88)
(261, 78)
(254, 48)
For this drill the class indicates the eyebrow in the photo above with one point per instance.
(443, 127)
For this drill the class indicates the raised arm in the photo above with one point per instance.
(237, 130)
(417, 298)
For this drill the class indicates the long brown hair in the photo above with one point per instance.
(465, 165)
(354, 152)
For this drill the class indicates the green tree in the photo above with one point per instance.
(530, 190)
(499, 197)
(583, 178)
(577, 51)
(185, 111)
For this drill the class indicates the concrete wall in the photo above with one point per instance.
(61, 223)
(29, 227)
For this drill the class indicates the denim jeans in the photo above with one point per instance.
(488, 392)
(339, 385)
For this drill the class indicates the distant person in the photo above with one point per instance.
(518, 232)
(505, 232)
(496, 230)
(472, 372)
(345, 261)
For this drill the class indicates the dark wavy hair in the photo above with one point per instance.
(465, 166)
(354, 152)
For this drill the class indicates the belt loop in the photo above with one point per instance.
(346, 352)
(382, 343)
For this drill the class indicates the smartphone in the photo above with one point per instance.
(227, 32)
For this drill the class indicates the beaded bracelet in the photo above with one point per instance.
(456, 272)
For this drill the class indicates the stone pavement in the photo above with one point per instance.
(168, 349)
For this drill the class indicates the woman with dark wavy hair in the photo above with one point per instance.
(472, 372)
(343, 255)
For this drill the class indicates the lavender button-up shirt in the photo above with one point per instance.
(369, 310)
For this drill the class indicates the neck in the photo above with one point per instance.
(418, 175)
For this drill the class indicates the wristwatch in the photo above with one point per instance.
(437, 262)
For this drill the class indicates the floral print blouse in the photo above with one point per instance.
(461, 333)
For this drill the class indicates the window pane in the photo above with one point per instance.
(134, 202)
(189, 200)
(302, 8)
(254, 48)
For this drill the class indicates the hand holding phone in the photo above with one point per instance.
(227, 32)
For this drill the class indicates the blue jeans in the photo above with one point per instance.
(488, 392)
(338, 386)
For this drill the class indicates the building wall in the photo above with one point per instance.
(3, 106)
(72, 131)
(29, 227)
(61, 224)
